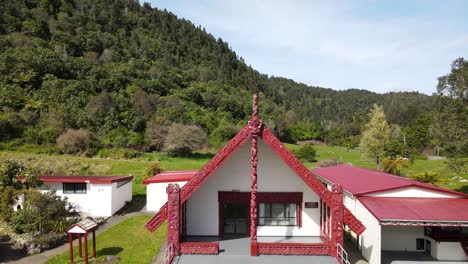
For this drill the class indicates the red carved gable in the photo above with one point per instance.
(273, 142)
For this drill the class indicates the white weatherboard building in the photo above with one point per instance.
(156, 195)
(98, 196)
(402, 217)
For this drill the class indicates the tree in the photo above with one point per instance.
(376, 135)
(74, 141)
(306, 153)
(182, 139)
(451, 117)
(43, 213)
(9, 172)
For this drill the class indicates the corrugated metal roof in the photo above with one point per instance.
(85, 224)
(417, 209)
(171, 176)
(361, 181)
(83, 179)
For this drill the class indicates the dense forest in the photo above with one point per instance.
(122, 73)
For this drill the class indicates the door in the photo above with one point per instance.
(235, 219)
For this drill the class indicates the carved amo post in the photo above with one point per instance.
(173, 232)
(337, 212)
(255, 125)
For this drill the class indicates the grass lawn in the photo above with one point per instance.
(129, 240)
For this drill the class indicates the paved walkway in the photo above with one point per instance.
(44, 256)
(262, 259)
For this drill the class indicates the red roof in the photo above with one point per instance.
(360, 181)
(171, 176)
(417, 209)
(83, 179)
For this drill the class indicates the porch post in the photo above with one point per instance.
(173, 217)
(255, 125)
(94, 243)
(80, 250)
(337, 211)
(70, 240)
(86, 247)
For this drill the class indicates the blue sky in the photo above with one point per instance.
(381, 46)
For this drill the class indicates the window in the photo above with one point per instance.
(277, 214)
(420, 243)
(74, 188)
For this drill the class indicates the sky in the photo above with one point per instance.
(381, 46)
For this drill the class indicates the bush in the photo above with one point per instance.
(74, 141)
(395, 166)
(156, 132)
(306, 153)
(456, 165)
(43, 213)
(183, 139)
(153, 169)
(430, 177)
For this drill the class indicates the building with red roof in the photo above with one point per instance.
(156, 186)
(402, 214)
(97, 196)
(253, 198)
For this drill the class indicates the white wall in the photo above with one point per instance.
(370, 239)
(156, 195)
(121, 195)
(414, 192)
(98, 199)
(276, 176)
(401, 238)
(447, 251)
(273, 176)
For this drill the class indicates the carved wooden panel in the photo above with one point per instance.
(294, 249)
(202, 248)
(350, 220)
(173, 217)
(157, 219)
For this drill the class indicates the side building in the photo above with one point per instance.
(97, 196)
(404, 219)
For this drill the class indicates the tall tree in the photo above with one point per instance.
(376, 135)
(451, 118)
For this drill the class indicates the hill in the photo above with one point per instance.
(115, 68)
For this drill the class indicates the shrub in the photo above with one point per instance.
(430, 177)
(43, 213)
(456, 165)
(306, 153)
(7, 198)
(74, 141)
(183, 139)
(395, 166)
(153, 169)
(156, 132)
(118, 153)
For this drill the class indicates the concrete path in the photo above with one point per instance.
(262, 259)
(44, 256)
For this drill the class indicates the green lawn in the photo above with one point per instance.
(129, 240)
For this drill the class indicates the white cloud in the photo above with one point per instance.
(330, 43)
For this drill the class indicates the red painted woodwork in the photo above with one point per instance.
(86, 248)
(204, 248)
(80, 250)
(216, 162)
(173, 216)
(352, 222)
(262, 197)
(157, 219)
(199, 248)
(409, 223)
(94, 243)
(294, 249)
(305, 174)
(70, 241)
(336, 235)
(255, 127)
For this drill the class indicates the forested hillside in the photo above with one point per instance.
(123, 72)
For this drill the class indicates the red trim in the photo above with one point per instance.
(70, 241)
(173, 216)
(403, 223)
(294, 249)
(86, 248)
(352, 222)
(336, 236)
(204, 248)
(84, 179)
(171, 176)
